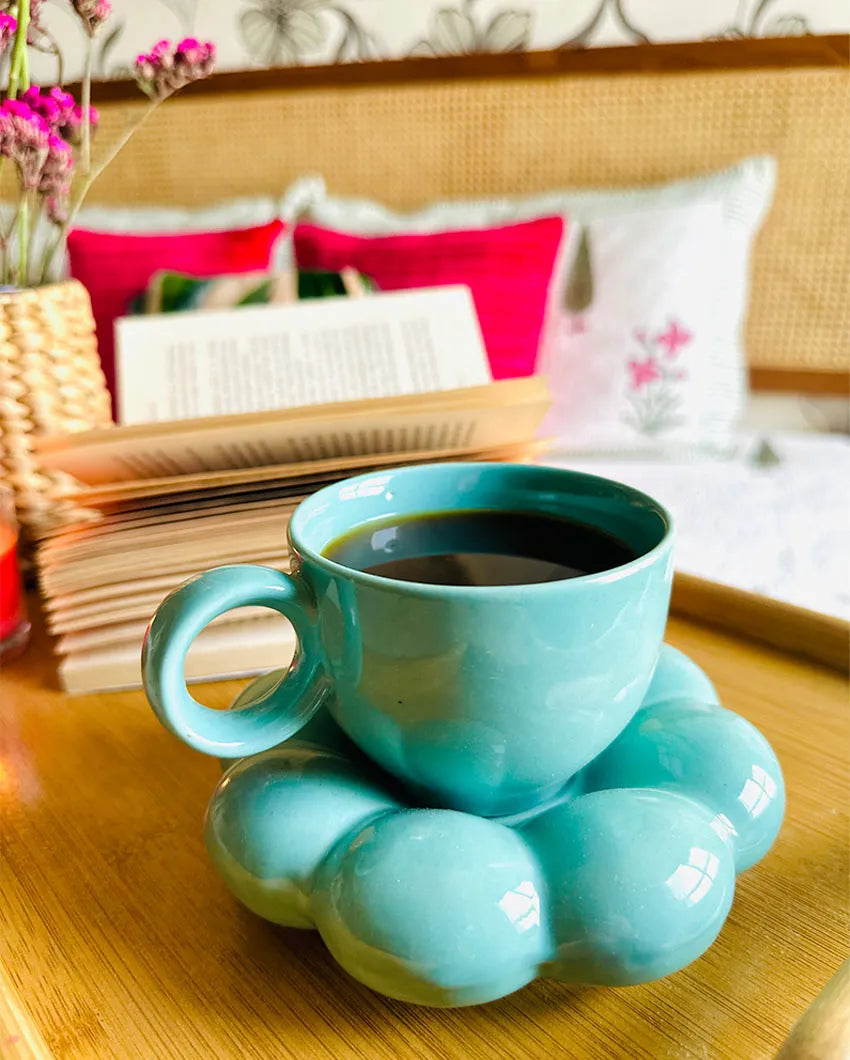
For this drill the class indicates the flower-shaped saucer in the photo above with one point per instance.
(626, 876)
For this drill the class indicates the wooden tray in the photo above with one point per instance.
(119, 940)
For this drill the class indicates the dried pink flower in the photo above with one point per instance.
(58, 164)
(168, 67)
(8, 28)
(73, 133)
(56, 210)
(55, 179)
(44, 160)
(64, 100)
(24, 137)
(45, 106)
(92, 13)
(59, 109)
(34, 31)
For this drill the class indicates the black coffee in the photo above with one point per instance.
(479, 548)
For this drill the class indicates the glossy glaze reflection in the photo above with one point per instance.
(628, 875)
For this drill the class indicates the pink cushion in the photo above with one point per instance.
(508, 270)
(115, 267)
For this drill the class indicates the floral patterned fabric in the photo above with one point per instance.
(655, 378)
(291, 32)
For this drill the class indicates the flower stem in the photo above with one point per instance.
(120, 143)
(8, 270)
(36, 214)
(47, 256)
(23, 239)
(19, 80)
(19, 74)
(90, 177)
(4, 232)
(48, 253)
(86, 141)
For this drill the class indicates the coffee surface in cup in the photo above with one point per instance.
(479, 547)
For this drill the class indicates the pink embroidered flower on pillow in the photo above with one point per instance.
(652, 389)
(674, 338)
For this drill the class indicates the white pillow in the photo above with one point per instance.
(644, 347)
(652, 360)
(232, 213)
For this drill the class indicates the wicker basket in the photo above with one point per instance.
(50, 382)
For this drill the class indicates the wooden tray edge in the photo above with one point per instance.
(796, 630)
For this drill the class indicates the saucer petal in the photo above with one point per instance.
(708, 753)
(640, 884)
(435, 907)
(274, 817)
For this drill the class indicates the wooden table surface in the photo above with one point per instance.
(118, 940)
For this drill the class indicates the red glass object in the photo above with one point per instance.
(14, 624)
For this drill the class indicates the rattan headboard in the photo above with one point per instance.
(507, 132)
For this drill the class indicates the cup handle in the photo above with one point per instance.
(274, 713)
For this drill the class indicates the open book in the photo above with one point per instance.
(268, 357)
(160, 502)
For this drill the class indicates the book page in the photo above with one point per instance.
(233, 650)
(257, 358)
(301, 441)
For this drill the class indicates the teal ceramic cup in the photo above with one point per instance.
(482, 698)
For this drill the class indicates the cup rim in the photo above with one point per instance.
(428, 589)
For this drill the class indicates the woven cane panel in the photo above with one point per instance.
(406, 145)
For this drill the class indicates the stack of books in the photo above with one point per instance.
(157, 503)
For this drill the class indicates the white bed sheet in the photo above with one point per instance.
(781, 529)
